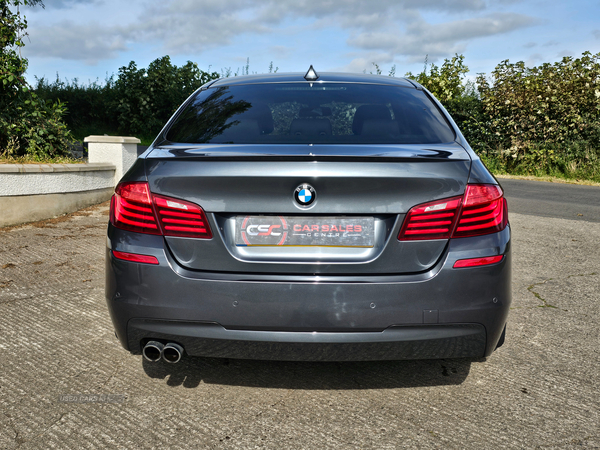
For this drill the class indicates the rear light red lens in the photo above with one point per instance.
(484, 211)
(180, 218)
(132, 209)
(135, 208)
(474, 262)
(433, 220)
(134, 257)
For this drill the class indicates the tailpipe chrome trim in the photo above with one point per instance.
(153, 351)
(172, 353)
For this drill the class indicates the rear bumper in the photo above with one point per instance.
(442, 313)
(393, 343)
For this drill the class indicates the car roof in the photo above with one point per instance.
(326, 77)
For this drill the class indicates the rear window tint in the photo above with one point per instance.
(299, 113)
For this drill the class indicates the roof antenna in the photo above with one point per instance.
(311, 75)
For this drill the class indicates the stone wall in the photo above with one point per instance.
(32, 192)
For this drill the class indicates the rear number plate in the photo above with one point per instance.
(304, 231)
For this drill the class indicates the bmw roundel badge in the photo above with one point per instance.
(305, 194)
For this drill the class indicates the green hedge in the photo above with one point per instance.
(138, 102)
(29, 125)
(543, 120)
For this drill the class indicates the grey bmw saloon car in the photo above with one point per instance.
(302, 217)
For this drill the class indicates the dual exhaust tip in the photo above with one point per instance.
(154, 351)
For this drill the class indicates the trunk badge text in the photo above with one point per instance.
(305, 194)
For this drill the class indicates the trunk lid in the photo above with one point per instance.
(377, 184)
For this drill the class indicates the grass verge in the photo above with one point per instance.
(548, 179)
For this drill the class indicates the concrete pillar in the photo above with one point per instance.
(117, 150)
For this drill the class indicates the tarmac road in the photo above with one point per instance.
(567, 201)
(540, 390)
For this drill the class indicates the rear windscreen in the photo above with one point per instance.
(298, 113)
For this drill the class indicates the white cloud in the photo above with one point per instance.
(67, 40)
(63, 4)
(277, 10)
(386, 29)
(366, 60)
(421, 38)
(534, 60)
(564, 53)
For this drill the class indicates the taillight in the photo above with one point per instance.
(433, 220)
(132, 209)
(482, 210)
(135, 208)
(180, 218)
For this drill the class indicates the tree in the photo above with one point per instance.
(459, 97)
(28, 125)
(444, 82)
(145, 99)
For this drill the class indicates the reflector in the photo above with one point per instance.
(474, 262)
(134, 257)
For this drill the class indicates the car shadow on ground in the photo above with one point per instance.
(192, 371)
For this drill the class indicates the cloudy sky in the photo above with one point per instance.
(90, 39)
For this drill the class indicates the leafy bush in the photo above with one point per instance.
(571, 160)
(143, 100)
(445, 82)
(459, 97)
(543, 120)
(527, 121)
(28, 125)
(138, 102)
(88, 104)
(552, 103)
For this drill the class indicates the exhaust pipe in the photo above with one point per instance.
(152, 351)
(172, 353)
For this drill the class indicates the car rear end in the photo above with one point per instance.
(277, 218)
